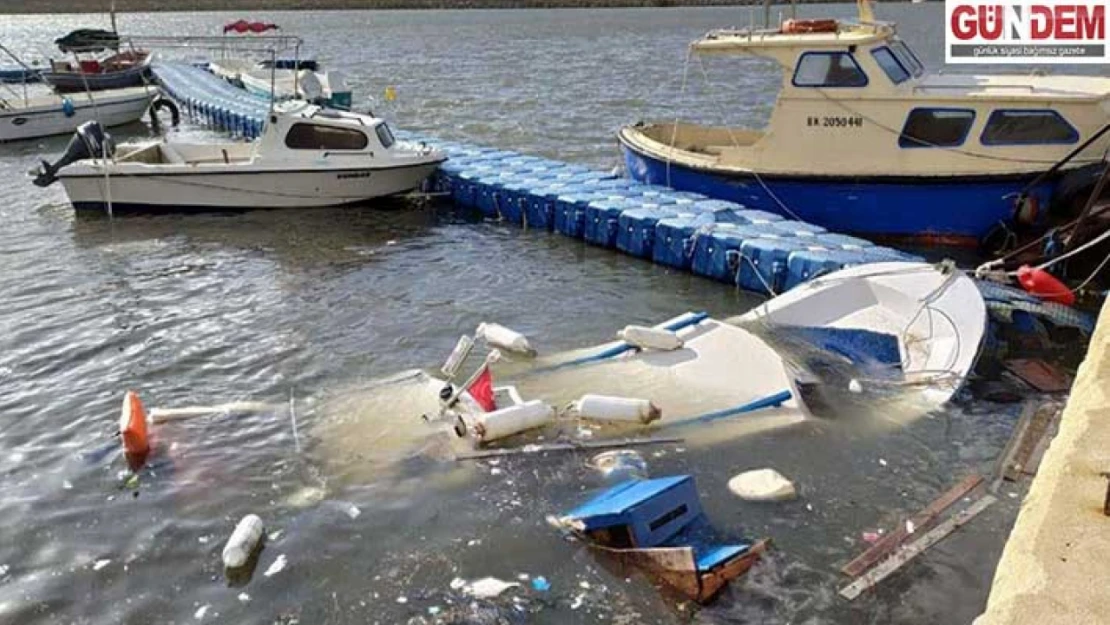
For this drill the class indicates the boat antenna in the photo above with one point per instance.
(112, 15)
(865, 12)
(766, 13)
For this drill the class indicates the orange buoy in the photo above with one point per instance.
(132, 426)
(1045, 286)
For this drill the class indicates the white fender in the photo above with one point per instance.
(627, 409)
(497, 335)
(650, 338)
(490, 426)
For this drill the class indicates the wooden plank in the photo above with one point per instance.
(539, 449)
(1031, 437)
(1006, 457)
(890, 542)
(1030, 467)
(915, 548)
(1038, 374)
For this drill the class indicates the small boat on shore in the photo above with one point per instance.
(864, 140)
(307, 157)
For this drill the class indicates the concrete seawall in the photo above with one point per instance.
(1054, 565)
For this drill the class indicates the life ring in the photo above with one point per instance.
(797, 27)
(167, 104)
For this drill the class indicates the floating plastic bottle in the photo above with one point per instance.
(243, 542)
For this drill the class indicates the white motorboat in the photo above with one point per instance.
(912, 327)
(48, 115)
(307, 157)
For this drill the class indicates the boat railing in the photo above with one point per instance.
(1027, 87)
(269, 45)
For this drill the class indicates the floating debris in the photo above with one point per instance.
(201, 611)
(243, 542)
(657, 525)
(101, 564)
(620, 464)
(540, 584)
(487, 587)
(277, 566)
(353, 512)
(244, 597)
(762, 485)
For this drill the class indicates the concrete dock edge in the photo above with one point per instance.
(1052, 568)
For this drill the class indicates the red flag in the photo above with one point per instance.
(481, 389)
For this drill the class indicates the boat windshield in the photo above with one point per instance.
(906, 56)
(385, 135)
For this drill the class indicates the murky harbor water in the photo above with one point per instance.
(265, 306)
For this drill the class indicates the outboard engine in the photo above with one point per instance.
(90, 141)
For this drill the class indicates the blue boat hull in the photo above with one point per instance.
(948, 210)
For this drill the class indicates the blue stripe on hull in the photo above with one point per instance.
(914, 208)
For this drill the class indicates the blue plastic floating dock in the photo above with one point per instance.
(755, 250)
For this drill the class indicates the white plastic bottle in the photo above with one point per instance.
(243, 541)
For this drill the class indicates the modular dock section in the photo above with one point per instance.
(755, 250)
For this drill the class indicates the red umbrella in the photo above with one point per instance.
(243, 26)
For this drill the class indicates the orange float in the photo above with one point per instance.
(1045, 286)
(132, 427)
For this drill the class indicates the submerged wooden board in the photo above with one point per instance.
(1025, 457)
(915, 548)
(1039, 374)
(891, 541)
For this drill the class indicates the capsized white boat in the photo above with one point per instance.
(905, 323)
(48, 115)
(307, 157)
(913, 326)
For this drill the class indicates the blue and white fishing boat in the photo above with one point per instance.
(863, 139)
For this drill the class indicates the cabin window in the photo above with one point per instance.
(828, 69)
(315, 137)
(891, 65)
(385, 135)
(1018, 127)
(936, 128)
(668, 517)
(906, 56)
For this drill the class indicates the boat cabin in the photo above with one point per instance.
(295, 132)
